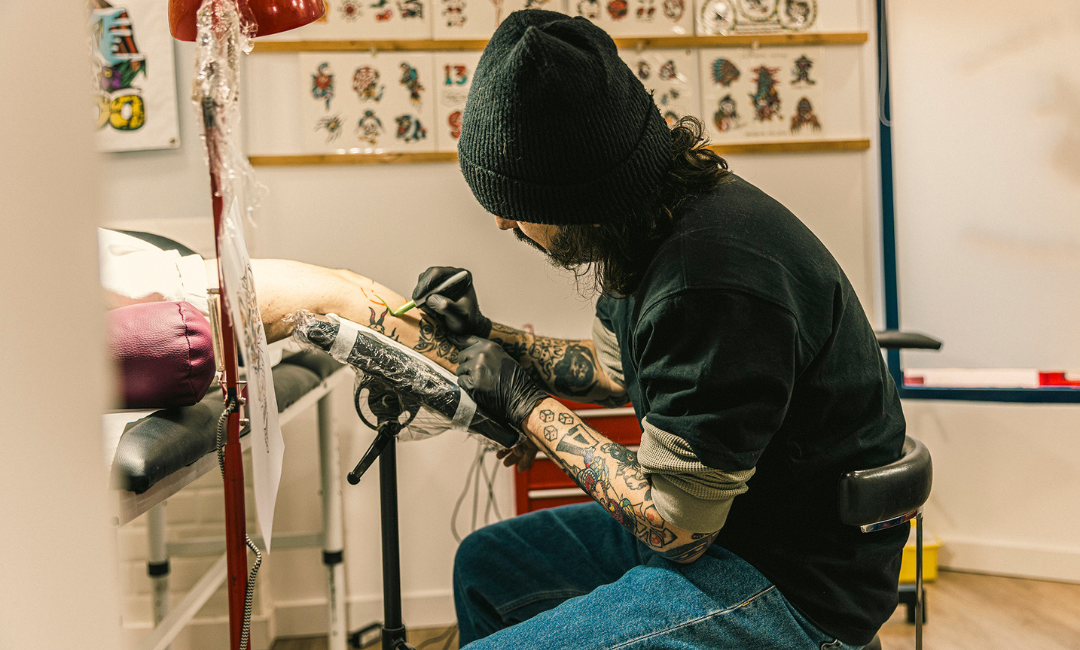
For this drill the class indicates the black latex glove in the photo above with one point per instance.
(497, 383)
(456, 307)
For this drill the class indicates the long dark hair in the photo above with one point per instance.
(615, 255)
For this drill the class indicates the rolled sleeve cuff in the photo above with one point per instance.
(687, 494)
(680, 508)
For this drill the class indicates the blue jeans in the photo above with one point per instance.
(572, 578)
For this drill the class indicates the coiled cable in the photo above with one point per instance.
(245, 630)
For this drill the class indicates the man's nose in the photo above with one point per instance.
(505, 224)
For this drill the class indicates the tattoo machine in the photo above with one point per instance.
(423, 387)
(448, 287)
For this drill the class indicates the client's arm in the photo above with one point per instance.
(285, 287)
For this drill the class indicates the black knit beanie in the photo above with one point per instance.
(557, 129)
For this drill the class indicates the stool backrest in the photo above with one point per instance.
(891, 492)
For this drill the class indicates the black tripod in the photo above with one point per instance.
(388, 408)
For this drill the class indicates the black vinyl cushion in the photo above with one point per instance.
(897, 340)
(868, 496)
(164, 243)
(167, 440)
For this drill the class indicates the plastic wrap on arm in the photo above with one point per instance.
(411, 375)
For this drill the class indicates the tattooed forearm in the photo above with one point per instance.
(433, 339)
(565, 368)
(691, 550)
(611, 475)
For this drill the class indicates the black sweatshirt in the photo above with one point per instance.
(746, 339)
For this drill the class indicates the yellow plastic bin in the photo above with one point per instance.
(930, 558)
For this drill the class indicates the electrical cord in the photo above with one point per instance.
(478, 472)
(245, 630)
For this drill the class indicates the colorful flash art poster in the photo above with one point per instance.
(672, 76)
(133, 79)
(763, 95)
(368, 20)
(622, 18)
(756, 16)
(453, 78)
(478, 19)
(364, 103)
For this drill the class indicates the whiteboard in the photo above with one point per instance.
(986, 128)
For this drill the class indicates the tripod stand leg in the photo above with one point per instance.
(393, 634)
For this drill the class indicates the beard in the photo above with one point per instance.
(569, 249)
(522, 237)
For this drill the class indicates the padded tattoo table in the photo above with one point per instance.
(160, 452)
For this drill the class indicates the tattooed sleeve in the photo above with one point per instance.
(569, 369)
(611, 474)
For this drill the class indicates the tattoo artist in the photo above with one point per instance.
(749, 361)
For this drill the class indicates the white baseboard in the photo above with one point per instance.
(1010, 559)
(202, 633)
(309, 617)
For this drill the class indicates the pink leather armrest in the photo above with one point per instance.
(165, 354)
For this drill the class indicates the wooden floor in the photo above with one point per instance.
(965, 612)
(975, 612)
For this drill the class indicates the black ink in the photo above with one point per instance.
(575, 372)
(433, 339)
(376, 323)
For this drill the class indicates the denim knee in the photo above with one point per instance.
(474, 555)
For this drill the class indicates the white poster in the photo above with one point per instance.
(367, 103)
(773, 94)
(478, 19)
(627, 18)
(756, 16)
(267, 444)
(367, 20)
(134, 77)
(453, 77)
(672, 76)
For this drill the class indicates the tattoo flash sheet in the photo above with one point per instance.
(368, 20)
(638, 17)
(756, 16)
(453, 78)
(763, 95)
(365, 103)
(672, 76)
(478, 19)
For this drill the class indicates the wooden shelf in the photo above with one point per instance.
(652, 42)
(793, 147)
(302, 160)
(352, 159)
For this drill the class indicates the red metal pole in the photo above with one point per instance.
(235, 514)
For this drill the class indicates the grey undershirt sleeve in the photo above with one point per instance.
(687, 494)
(607, 352)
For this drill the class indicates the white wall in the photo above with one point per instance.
(57, 587)
(986, 119)
(1005, 481)
(390, 222)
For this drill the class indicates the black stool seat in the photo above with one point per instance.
(881, 494)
